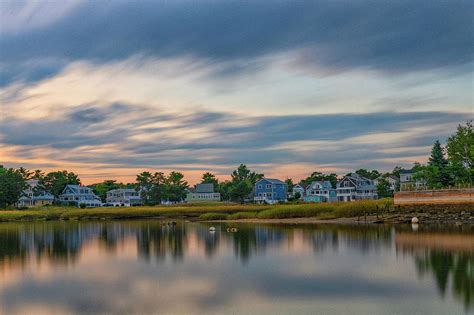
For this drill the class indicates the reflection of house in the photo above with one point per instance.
(298, 189)
(407, 182)
(392, 181)
(203, 192)
(320, 191)
(31, 198)
(75, 195)
(124, 197)
(355, 187)
(268, 190)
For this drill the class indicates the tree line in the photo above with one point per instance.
(447, 166)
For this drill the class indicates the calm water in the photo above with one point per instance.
(145, 267)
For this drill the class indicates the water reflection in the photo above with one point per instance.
(315, 262)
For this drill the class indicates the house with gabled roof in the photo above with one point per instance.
(270, 190)
(320, 191)
(124, 197)
(202, 192)
(75, 195)
(355, 187)
(298, 189)
(30, 197)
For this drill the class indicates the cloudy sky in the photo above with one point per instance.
(110, 88)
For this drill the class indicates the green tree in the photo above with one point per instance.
(151, 187)
(225, 189)
(318, 176)
(175, 187)
(101, 189)
(12, 185)
(55, 182)
(243, 181)
(460, 149)
(383, 188)
(289, 183)
(438, 166)
(373, 174)
(209, 178)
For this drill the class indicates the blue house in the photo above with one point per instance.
(268, 190)
(320, 191)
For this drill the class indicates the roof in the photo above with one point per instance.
(407, 171)
(272, 180)
(123, 189)
(324, 184)
(205, 188)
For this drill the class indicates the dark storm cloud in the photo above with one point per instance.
(399, 36)
(229, 139)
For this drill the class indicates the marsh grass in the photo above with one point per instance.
(242, 215)
(230, 211)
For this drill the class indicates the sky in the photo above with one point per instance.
(108, 89)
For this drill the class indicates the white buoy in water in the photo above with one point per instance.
(212, 229)
(414, 220)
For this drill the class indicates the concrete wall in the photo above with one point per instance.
(434, 196)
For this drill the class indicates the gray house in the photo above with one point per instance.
(76, 195)
(202, 192)
(355, 187)
(124, 197)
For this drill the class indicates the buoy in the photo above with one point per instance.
(212, 229)
(414, 220)
(414, 227)
(233, 230)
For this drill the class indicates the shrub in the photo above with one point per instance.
(82, 206)
(22, 208)
(242, 215)
(213, 216)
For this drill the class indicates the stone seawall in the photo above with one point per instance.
(426, 197)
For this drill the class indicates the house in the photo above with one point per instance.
(76, 195)
(320, 191)
(392, 181)
(268, 190)
(355, 187)
(31, 198)
(203, 192)
(124, 197)
(298, 189)
(407, 182)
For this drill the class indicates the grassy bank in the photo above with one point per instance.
(214, 211)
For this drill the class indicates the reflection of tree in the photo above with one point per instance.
(158, 240)
(210, 240)
(459, 267)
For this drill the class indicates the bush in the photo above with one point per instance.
(213, 216)
(82, 206)
(22, 208)
(242, 215)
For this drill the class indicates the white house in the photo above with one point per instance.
(124, 197)
(203, 192)
(31, 198)
(77, 195)
(298, 189)
(355, 187)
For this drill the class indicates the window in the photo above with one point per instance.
(269, 195)
(269, 186)
(259, 187)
